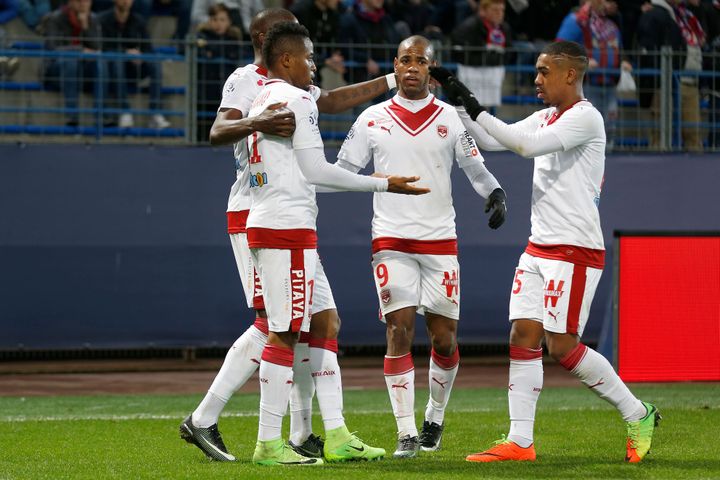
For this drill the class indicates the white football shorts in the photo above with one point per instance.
(429, 282)
(556, 293)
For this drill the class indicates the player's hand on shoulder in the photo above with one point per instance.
(276, 120)
(497, 202)
(456, 91)
(402, 185)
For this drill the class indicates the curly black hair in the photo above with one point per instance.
(282, 37)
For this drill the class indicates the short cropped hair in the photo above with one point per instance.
(571, 51)
(282, 37)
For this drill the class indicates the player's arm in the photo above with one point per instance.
(482, 138)
(318, 171)
(524, 143)
(231, 126)
(344, 98)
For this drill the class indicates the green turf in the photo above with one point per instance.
(577, 436)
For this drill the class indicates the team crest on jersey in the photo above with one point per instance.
(442, 131)
(258, 180)
(385, 296)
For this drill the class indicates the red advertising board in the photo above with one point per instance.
(667, 306)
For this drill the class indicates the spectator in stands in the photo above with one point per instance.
(415, 17)
(241, 12)
(482, 69)
(712, 64)
(670, 23)
(125, 32)
(322, 19)
(8, 65)
(32, 11)
(368, 23)
(590, 26)
(74, 28)
(218, 56)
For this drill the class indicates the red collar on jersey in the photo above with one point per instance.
(275, 80)
(413, 123)
(261, 70)
(557, 114)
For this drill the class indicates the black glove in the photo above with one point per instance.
(456, 91)
(496, 202)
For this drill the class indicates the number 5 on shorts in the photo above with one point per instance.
(381, 272)
(517, 281)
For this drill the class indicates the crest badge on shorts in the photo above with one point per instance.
(442, 131)
(385, 296)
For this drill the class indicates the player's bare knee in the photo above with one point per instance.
(559, 345)
(526, 333)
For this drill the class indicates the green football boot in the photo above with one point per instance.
(640, 433)
(343, 446)
(277, 452)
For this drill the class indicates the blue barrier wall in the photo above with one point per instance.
(119, 246)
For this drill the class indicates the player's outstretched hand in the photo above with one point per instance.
(275, 120)
(456, 91)
(402, 185)
(496, 202)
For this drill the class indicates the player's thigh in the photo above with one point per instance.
(568, 292)
(287, 277)
(397, 280)
(246, 267)
(321, 294)
(526, 293)
(440, 285)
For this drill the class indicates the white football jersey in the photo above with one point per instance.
(282, 199)
(567, 184)
(240, 90)
(412, 137)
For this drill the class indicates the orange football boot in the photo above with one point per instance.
(504, 450)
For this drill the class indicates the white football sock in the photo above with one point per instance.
(301, 395)
(441, 376)
(400, 381)
(524, 387)
(275, 384)
(328, 381)
(596, 373)
(240, 363)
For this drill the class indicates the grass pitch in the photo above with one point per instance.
(577, 436)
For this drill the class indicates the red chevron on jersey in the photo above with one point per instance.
(413, 123)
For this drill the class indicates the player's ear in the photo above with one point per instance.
(286, 59)
(395, 64)
(571, 76)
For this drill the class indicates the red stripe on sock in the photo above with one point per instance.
(398, 365)
(278, 355)
(571, 360)
(261, 324)
(447, 363)
(577, 292)
(304, 337)
(326, 343)
(524, 353)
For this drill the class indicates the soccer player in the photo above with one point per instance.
(282, 237)
(414, 242)
(232, 125)
(556, 277)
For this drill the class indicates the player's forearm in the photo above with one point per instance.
(225, 131)
(482, 181)
(344, 98)
(526, 144)
(319, 172)
(345, 165)
(482, 138)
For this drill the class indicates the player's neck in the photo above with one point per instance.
(412, 97)
(569, 102)
(258, 59)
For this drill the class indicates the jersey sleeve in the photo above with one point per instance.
(235, 96)
(307, 131)
(466, 150)
(316, 92)
(355, 149)
(577, 126)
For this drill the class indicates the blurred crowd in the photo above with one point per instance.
(478, 32)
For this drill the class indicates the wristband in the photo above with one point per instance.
(391, 82)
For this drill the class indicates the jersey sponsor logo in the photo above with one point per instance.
(442, 130)
(258, 180)
(467, 142)
(451, 284)
(553, 294)
(385, 296)
(297, 285)
(387, 129)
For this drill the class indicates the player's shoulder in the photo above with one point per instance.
(248, 74)
(374, 112)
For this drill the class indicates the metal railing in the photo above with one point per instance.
(671, 109)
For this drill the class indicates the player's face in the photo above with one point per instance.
(412, 68)
(302, 70)
(551, 79)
